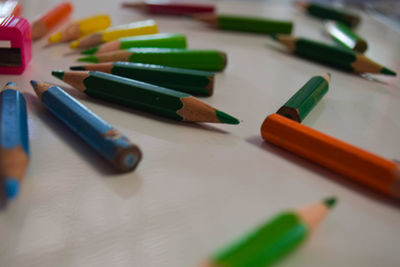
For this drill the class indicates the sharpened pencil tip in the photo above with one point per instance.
(91, 59)
(226, 118)
(388, 71)
(10, 83)
(77, 68)
(34, 83)
(90, 51)
(58, 73)
(330, 202)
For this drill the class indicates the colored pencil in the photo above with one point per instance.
(14, 141)
(80, 28)
(114, 33)
(332, 55)
(274, 239)
(305, 99)
(345, 37)
(194, 82)
(148, 97)
(101, 136)
(170, 8)
(331, 13)
(211, 60)
(160, 40)
(373, 171)
(246, 24)
(47, 21)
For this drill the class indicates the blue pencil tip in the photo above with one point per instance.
(12, 187)
(11, 83)
(33, 83)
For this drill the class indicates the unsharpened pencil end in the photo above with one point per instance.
(226, 118)
(77, 68)
(11, 187)
(90, 51)
(58, 73)
(388, 71)
(91, 59)
(330, 202)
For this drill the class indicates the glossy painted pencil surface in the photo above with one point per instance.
(114, 33)
(345, 36)
(327, 12)
(148, 97)
(170, 8)
(246, 24)
(305, 99)
(80, 28)
(332, 55)
(274, 239)
(194, 82)
(14, 141)
(101, 136)
(373, 171)
(10, 8)
(47, 21)
(160, 40)
(211, 60)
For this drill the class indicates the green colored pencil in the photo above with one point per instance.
(328, 12)
(274, 239)
(345, 37)
(246, 24)
(194, 82)
(332, 55)
(211, 60)
(159, 100)
(161, 40)
(305, 99)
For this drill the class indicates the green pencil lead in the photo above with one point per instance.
(388, 71)
(58, 73)
(330, 202)
(226, 118)
(92, 59)
(90, 51)
(77, 68)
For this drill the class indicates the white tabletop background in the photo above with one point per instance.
(200, 186)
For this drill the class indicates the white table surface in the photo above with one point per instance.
(200, 186)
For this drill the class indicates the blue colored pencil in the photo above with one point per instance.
(113, 146)
(14, 141)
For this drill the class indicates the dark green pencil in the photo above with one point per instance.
(194, 82)
(345, 37)
(305, 99)
(211, 60)
(246, 24)
(332, 55)
(327, 12)
(148, 97)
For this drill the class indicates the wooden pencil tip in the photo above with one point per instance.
(327, 77)
(388, 72)
(302, 4)
(40, 88)
(330, 202)
(10, 85)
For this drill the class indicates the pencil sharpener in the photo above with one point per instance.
(15, 45)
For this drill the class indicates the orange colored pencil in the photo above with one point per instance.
(376, 172)
(44, 23)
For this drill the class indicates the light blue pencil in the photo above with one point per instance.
(14, 141)
(113, 146)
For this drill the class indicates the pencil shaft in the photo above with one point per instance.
(345, 37)
(371, 170)
(305, 99)
(161, 40)
(210, 60)
(14, 141)
(171, 8)
(185, 80)
(255, 25)
(101, 136)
